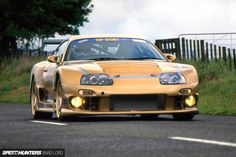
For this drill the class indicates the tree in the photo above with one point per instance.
(26, 19)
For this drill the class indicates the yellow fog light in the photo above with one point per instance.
(190, 101)
(77, 102)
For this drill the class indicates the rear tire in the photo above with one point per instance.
(34, 103)
(149, 116)
(183, 116)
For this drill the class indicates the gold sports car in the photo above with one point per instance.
(110, 75)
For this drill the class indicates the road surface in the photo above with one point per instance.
(116, 136)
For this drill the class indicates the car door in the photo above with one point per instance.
(49, 71)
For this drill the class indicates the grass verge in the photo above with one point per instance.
(217, 95)
(15, 78)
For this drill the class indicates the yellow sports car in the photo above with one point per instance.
(110, 75)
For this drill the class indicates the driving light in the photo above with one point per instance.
(96, 79)
(190, 101)
(172, 78)
(77, 102)
(86, 92)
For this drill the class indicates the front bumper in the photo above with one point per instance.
(130, 105)
(109, 100)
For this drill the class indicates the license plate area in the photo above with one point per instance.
(137, 102)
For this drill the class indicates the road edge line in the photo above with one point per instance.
(47, 122)
(229, 144)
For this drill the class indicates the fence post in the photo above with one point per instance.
(183, 48)
(194, 49)
(211, 51)
(187, 49)
(164, 46)
(230, 59)
(202, 50)
(191, 49)
(224, 54)
(220, 53)
(198, 50)
(177, 46)
(207, 54)
(215, 55)
(170, 46)
(234, 59)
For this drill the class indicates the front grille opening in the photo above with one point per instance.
(137, 102)
(179, 103)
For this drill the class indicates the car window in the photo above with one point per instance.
(117, 49)
(61, 48)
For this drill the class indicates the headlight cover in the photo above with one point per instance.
(96, 79)
(172, 78)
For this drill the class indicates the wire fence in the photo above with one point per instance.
(202, 47)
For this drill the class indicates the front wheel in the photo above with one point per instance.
(59, 101)
(34, 103)
(183, 116)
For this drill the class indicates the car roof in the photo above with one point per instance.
(76, 37)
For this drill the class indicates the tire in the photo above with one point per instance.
(149, 116)
(34, 103)
(183, 116)
(59, 116)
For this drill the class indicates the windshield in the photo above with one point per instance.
(111, 49)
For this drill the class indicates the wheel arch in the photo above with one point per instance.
(31, 80)
(30, 89)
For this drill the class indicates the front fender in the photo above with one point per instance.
(69, 75)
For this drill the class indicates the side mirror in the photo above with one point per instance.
(170, 57)
(53, 59)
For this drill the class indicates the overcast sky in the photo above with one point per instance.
(157, 19)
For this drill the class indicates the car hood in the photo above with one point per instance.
(125, 68)
(133, 69)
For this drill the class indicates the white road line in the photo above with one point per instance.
(229, 144)
(46, 122)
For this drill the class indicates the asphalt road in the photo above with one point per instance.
(119, 135)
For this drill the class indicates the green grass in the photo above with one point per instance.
(217, 84)
(15, 78)
(217, 95)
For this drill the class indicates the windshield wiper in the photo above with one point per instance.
(103, 58)
(110, 58)
(143, 58)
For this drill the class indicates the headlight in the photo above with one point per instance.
(172, 78)
(96, 79)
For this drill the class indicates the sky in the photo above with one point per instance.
(160, 19)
